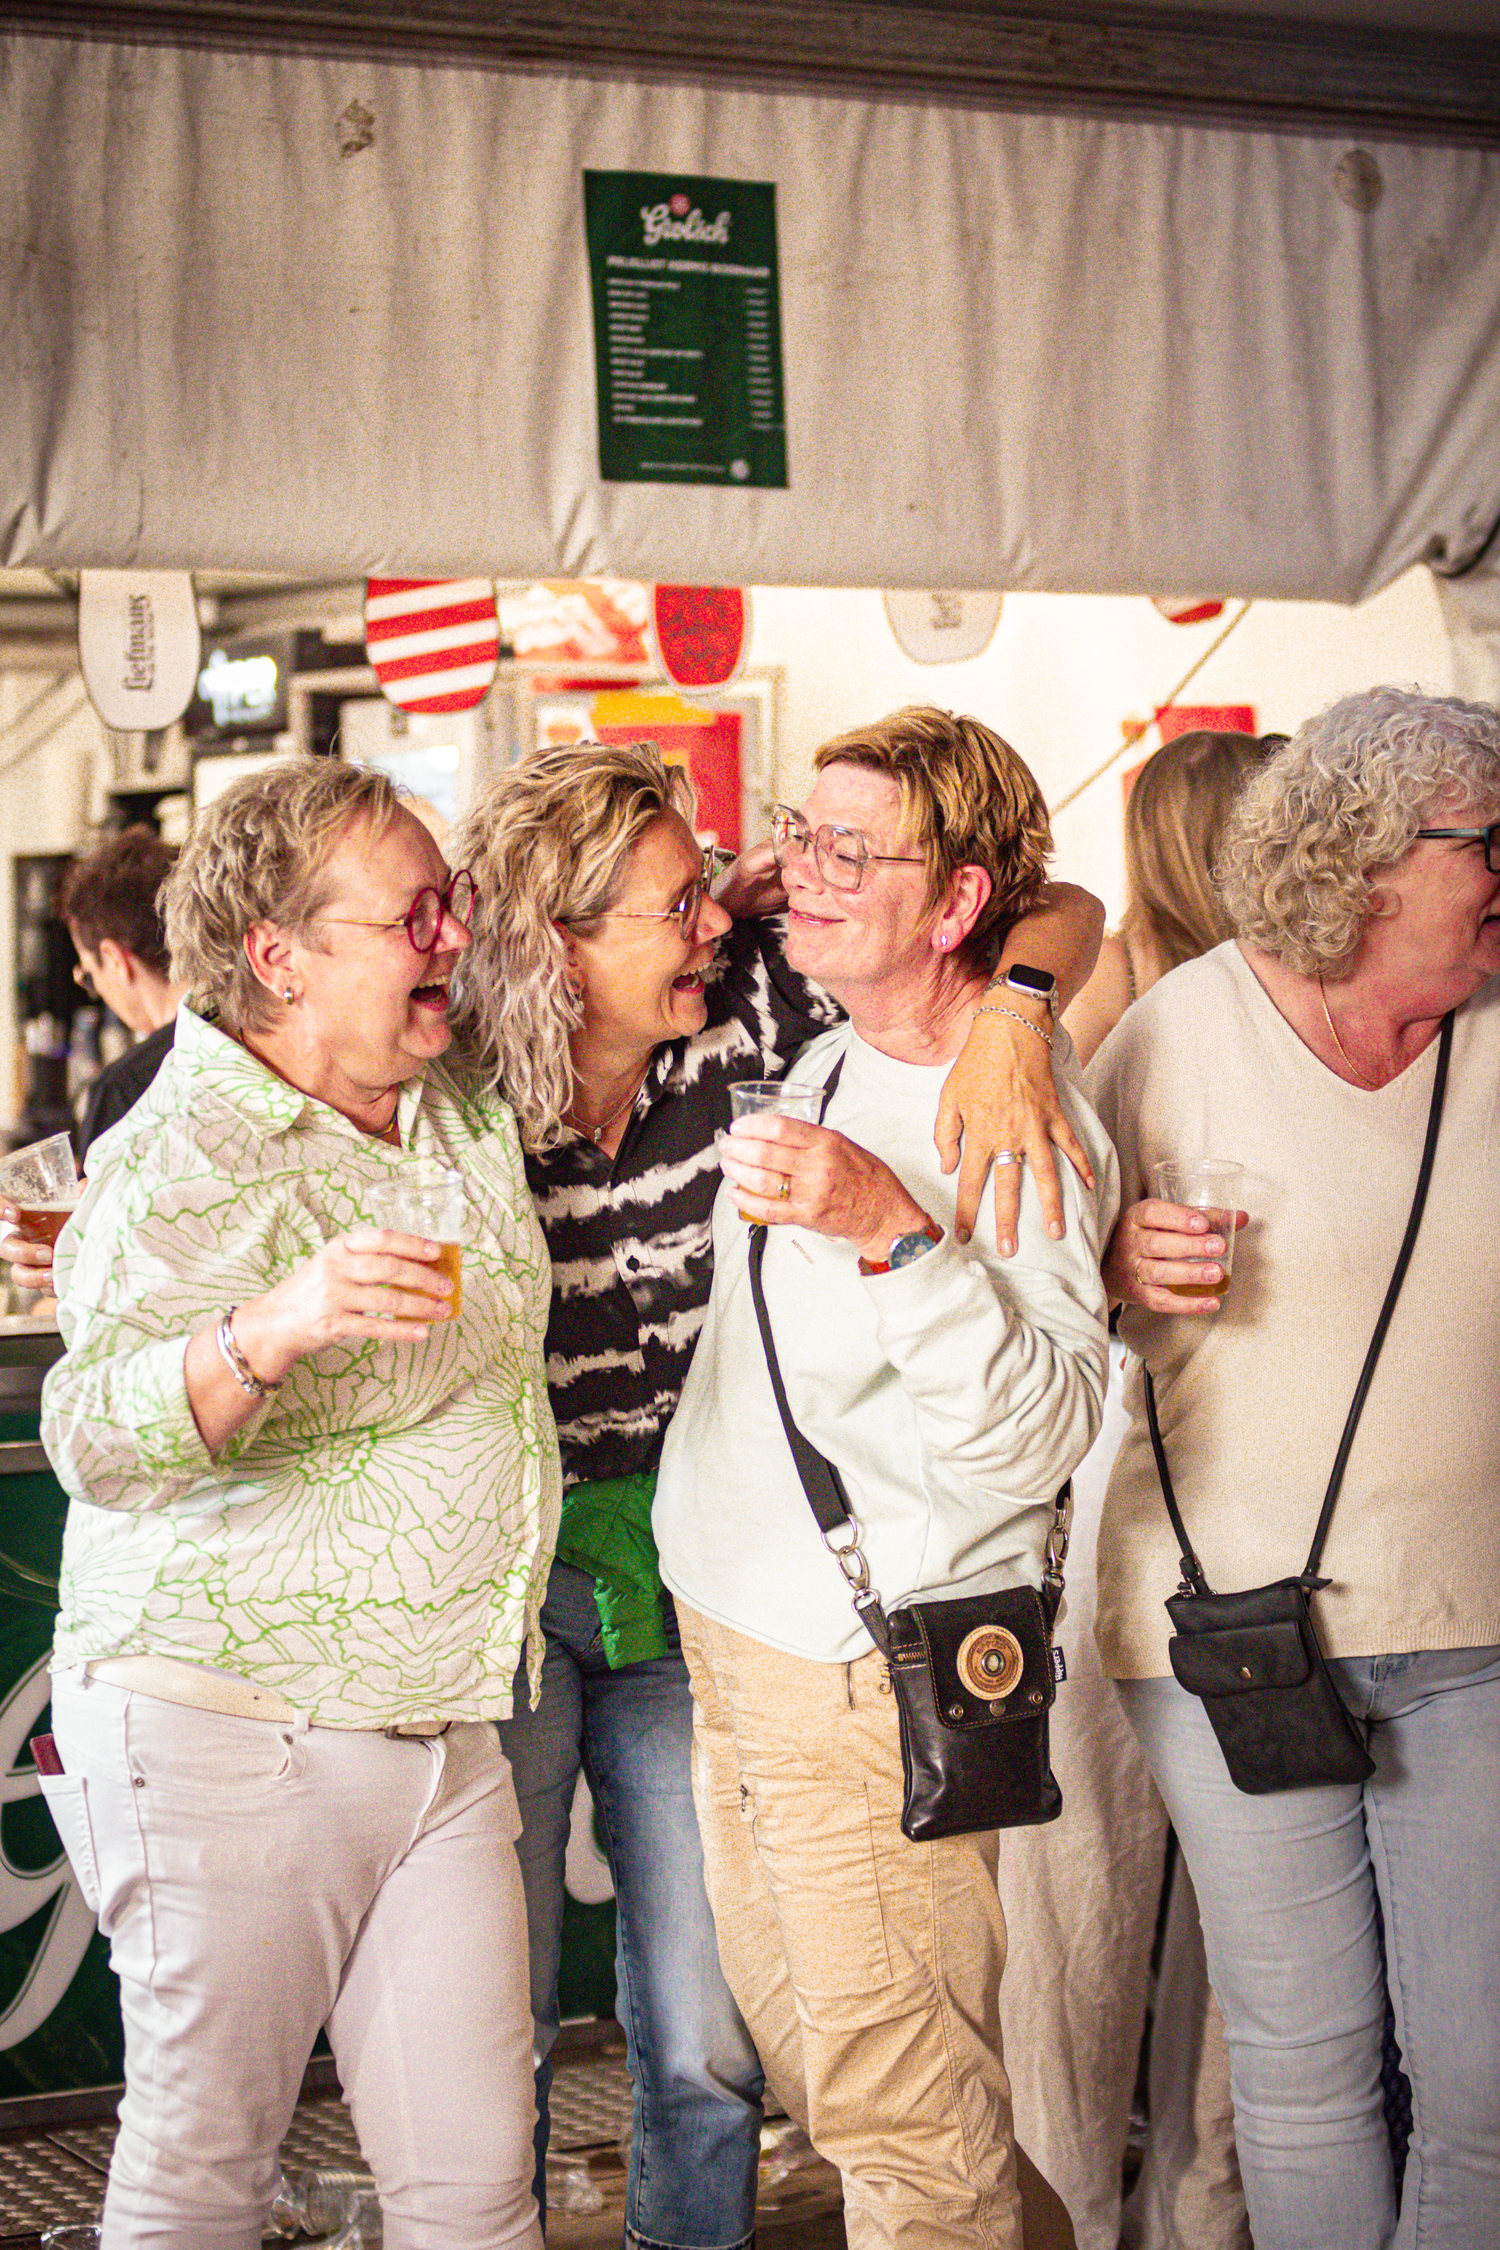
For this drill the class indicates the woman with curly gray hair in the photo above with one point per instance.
(1361, 873)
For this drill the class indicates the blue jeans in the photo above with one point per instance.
(696, 2076)
(1287, 1887)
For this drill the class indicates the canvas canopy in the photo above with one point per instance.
(322, 316)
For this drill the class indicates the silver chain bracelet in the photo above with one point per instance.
(988, 1008)
(236, 1362)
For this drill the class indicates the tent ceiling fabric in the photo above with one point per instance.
(1374, 66)
(1021, 351)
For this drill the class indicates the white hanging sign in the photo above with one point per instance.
(937, 627)
(138, 645)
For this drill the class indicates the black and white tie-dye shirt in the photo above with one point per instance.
(631, 1236)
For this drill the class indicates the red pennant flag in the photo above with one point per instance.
(1185, 609)
(434, 643)
(701, 633)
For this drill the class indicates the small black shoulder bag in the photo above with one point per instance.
(973, 1677)
(1254, 1657)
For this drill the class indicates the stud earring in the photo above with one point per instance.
(943, 940)
(288, 995)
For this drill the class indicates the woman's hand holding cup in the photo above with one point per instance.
(30, 1262)
(370, 1284)
(1160, 1250)
(789, 1173)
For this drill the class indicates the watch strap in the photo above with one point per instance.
(932, 1232)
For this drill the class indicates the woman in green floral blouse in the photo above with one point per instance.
(310, 1514)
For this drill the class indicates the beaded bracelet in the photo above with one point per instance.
(236, 1362)
(987, 1008)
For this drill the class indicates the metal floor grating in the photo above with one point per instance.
(44, 2185)
(55, 2177)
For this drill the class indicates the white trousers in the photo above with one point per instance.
(258, 1881)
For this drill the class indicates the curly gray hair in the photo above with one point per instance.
(1341, 802)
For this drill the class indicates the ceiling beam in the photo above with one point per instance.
(1089, 56)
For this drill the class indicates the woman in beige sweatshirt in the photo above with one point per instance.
(1363, 876)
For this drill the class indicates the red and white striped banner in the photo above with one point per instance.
(434, 643)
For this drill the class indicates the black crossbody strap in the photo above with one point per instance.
(820, 1479)
(1192, 1569)
(1403, 1260)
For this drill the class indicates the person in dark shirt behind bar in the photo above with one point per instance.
(615, 1001)
(109, 902)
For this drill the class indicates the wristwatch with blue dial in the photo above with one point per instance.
(905, 1250)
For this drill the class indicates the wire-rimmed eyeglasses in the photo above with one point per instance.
(840, 854)
(423, 919)
(1489, 837)
(685, 910)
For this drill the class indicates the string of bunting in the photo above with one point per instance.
(1138, 730)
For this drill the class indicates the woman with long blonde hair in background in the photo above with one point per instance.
(1091, 1885)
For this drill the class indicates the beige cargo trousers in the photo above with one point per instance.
(866, 1967)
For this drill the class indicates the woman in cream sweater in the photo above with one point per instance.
(1362, 874)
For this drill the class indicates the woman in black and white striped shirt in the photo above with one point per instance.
(616, 1001)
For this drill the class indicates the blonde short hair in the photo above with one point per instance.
(1341, 802)
(260, 853)
(547, 843)
(967, 800)
(1174, 824)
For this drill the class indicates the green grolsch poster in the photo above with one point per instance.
(687, 328)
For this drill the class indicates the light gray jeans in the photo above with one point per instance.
(257, 1881)
(1287, 1887)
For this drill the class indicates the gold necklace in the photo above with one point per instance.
(1371, 1083)
(596, 1133)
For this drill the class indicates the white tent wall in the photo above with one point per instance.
(1063, 672)
(1021, 351)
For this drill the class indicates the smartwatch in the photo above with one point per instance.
(1033, 984)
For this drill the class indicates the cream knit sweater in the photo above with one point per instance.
(1253, 1399)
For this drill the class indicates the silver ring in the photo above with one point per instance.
(785, 1188)
(1006, 1156)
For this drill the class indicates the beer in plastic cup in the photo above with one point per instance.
(42, 1181)
(1210, 1184)
(755, 1097)
(432, 1201)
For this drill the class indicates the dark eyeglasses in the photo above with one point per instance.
(423, 919)
(686, 909)
(1489, 837)
(84, 980)
(840, 854)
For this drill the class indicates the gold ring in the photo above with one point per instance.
(785, 1188)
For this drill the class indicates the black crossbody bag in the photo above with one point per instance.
(973, 1677)
(1254, 1657)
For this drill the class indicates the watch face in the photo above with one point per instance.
(908, 1247)
(1040, 981)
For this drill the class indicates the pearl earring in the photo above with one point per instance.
(288, 995)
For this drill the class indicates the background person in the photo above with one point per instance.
(615, 1003)
(305, 1540)
(954, 1390)
(1074, 2000)
(111, 903)
(1306, 1049)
